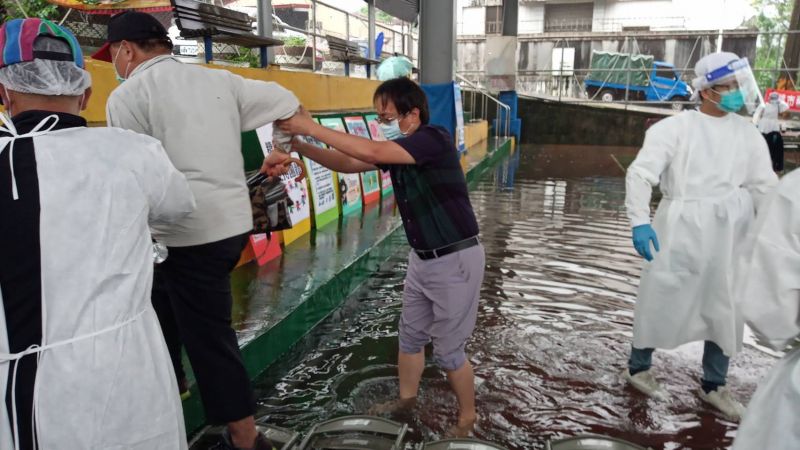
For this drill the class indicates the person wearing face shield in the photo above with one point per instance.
(713, 169)
(446, 263)
(198, 113)
(766, 116)
(83, 364)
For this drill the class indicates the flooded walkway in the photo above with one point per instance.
(553, 332)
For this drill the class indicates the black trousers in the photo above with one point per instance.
(192, 297)
(775, 144)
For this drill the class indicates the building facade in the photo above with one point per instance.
(558, 34)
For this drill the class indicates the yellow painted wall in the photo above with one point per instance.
(318, 93)
(475, 132)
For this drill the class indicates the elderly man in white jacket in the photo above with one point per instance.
(713, 167)
(198, 114)
(769, 298)
(83, 364)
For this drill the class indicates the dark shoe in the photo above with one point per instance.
(261, 443)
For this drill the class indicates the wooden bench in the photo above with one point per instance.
(348, 52)
(216, 24)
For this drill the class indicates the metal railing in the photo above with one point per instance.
(566, 80)
(474, 90)
(399, 41)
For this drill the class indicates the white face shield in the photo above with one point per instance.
(735, 73)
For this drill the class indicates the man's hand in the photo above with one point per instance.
(275, 164)
(643, 236)
(300, 124)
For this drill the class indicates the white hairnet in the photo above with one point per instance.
(774, 96)
(45, 76)
(706, 65)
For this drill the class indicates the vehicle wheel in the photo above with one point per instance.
(607, 96)
(678, 105)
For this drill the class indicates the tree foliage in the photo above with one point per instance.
(773, 16)
(33, 8)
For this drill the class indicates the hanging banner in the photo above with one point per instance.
(791, 98)
(300, 210)
(114, 6)
(323, 188)
(377, 135)
(370, 181)
(349, 183)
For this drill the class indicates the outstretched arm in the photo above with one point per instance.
(332, 159)
(362, 149)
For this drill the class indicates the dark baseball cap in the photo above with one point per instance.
(130, 26)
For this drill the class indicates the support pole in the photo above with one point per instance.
(209, 46)
(313, 35)
(437, 41)
(265, 30)
(370, 33)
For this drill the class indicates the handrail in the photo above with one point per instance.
(485, 93)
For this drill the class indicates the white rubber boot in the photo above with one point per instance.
(646, 383)
(723, 400)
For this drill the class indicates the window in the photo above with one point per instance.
(666, 73)
(568, 17)
(494, 20)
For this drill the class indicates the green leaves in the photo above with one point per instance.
(773, 16)
(34, 8)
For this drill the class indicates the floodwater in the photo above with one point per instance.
(553, 333)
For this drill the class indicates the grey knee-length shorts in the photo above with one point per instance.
(440, 304)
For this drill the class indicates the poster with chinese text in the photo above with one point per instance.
(323, 188)
(377, 135)
(370, 181)
(349, 183)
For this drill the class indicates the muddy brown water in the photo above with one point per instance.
(553, 332)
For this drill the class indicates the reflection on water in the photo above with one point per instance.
(553, 330)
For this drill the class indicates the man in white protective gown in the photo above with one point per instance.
(83, 363)
(767, 117)
(713, 168)
(768, 293)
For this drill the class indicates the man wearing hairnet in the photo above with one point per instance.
(199, 115)
(713, 169)
(768, 295)
(767, 118)
(83, 364)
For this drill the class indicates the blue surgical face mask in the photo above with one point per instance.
(119, 78)
(731, 101)
(391, 130)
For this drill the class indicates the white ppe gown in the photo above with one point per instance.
(768, 288)
(77, 251)
(767, 116)
(711, 171)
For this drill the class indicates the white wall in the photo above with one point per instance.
(612, 15)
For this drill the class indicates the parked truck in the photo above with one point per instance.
(613, 75)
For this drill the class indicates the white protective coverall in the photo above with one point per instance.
(711, 171)
(767, 116)
(77, 264)
(768, 295)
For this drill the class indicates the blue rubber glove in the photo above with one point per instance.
(642, 235)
